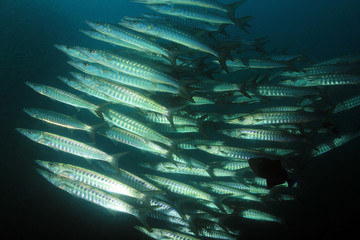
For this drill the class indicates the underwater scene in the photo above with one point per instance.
(180, 119)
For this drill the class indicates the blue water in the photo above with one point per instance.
(30, 207)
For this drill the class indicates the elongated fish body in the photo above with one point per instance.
(237, 185)
(179, 129)
(183, 22)
(91, 178)
(198, 101)
(277, 151)
(191, 144)
(277, 118)
(133, 140)
(72, 52)
(283, 91)
(347, 104)
(337, 60)
(234, 152)
(131, 37)
(221, 189)
(178, 120)
(255, 63)
(263, 135)
(91, 194)
(109, 39)
(180, 188)
(158, 233)
(129, 66)
(257, 215)
(216, 86)
(164, 207)
(99, 71)
(199, 14)
(334, 143)
(285, 109)
(327, 69)
(183, 169)
(66, 145)
(335, 79)
(170, 33)
(76, 84)
(136, 182)
(58, 119)
(123, 95)
(122, 121)
(168, 219)
(62, 96)
(233, 165)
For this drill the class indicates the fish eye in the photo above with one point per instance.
(68, 48)
(35, 85)
(29, 131)
(84, 76)
(241, 119)
(208, 147)
(91, 51)
(86, 64)
(45, 91)
(98, 23)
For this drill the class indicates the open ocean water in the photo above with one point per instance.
(328, 206)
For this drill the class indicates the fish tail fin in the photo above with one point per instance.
(183, 92)
(141, 214)
(219, 199)
(221, 29)
(259, 45)
(242, 22)
(115, 159)
(291, 66)
(231, 8)
(169, 115)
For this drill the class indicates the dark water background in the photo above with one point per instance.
(30, 207)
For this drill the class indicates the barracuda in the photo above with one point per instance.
(185, 190)
(335, 79)
(62, 96)
(179, 168)
(178, 120)
(347, 104)
(336, 142)
(191, 144)
(129, 66)
(133, 38)
(122, 121)
(234, 152)
(105, 73)
(158, 233)
(128, 97)
(67, 145)
(235, 193)
(91, 178)
(109, 39)
(199, 14)
(137, 182)
(263, 135)
(76, 84)
(136, 141)
(259, 216)
(174, 35)
(58, 119)
(95, 195)
(72, 52)
(282, 91)
(278, 118)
